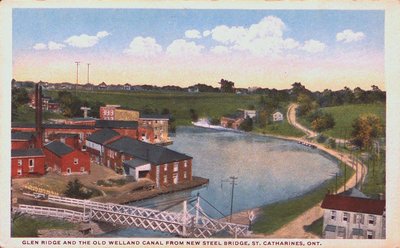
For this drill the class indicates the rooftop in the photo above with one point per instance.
(136, 162)
(354, 204)
(152, 153)
(22, 136)
(59, 148)
(33, 152)
(103, 135)
(116, 124)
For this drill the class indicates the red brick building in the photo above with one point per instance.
(159, 125)
(142, 160)
(95, 143)
(27, 162)
(22, 140)
(66, 160)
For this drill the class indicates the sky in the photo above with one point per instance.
(253, 48)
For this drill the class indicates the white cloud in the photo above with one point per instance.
(220, 50)
(290, 43)
(206, 33)
(313, 46)
(182, 48)
(55, 46)
(262, 38)
(84, 40)
(102, 34)
(349, 36)
(143, 47)
(40, 46)
(192, 34)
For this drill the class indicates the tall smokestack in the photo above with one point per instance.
(38, 115)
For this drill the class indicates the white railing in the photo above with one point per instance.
(52, 212)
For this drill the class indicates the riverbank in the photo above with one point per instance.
(136, 195)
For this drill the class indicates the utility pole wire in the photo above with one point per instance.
(231, 180)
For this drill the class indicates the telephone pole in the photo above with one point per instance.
(77, 73)
(231, 180)
(88, 73)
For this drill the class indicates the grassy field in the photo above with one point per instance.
(375, 182)
(27, 114)
(25, 226)
(345, 115)
(211, 105)
(278, 214)
(281, 128)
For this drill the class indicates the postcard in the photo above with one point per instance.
(195, 124)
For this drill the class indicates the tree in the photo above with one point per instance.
(247, 124)
(70, 104)
(227, 86)
(75, 189)
(262, 118)
(366, 128)
(19, 97)
(306, 105)
(193, 115)
(321, 121)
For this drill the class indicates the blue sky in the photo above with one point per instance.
(40, 26)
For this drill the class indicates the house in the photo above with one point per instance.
(27, 162)
(96, 141)
(277, 116)
(193, 89)
(69, 139)
(102, 86)
(158, 124)
(66, 160)
(167, 167)
(22, 140)
(249, 113)
(350, 217)
(233, 120)
(88, 86)
(127, 86)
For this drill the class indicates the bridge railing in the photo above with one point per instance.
(52, 212)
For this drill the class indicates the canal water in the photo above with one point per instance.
(267, 170)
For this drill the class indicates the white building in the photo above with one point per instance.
(348, 217)
(248, 113)
(277, 116)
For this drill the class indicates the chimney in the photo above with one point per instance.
(38, 115)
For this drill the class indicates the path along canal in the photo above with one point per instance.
(268, 170)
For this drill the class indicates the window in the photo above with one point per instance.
(185, 175)
(31, 162)
(19, 162)
(176, 164)
(82, 169)
(19, 172)
(185, 164)
(333, 215)
(76, 161)
(370, 234)
(165, 179)
(68, 170)
(346, 217)
(165, 167)
(31, 169)
(371, 219)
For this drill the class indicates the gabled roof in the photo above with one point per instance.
(33, 152)
(136, 162)
(155, 154)
(354, 204)
(22, 136)
(116, 124)
(59, 148)
(103, 135)
(154, 116)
